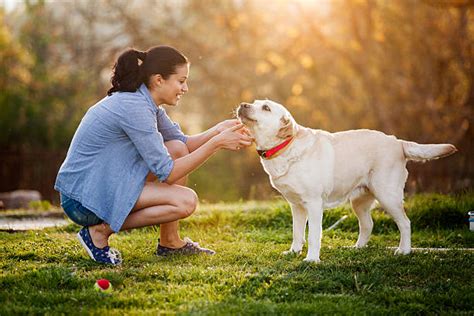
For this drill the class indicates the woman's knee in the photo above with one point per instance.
(188, 203)
(177, 148)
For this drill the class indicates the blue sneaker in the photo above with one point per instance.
(103, 255)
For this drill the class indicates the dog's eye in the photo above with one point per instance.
(266, 108)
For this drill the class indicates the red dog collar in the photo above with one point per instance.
(273, 152)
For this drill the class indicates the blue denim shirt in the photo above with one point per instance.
(118, 142)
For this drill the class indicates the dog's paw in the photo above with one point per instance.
(291, 252)
(360, 245)
(401, 251)
(312, 260)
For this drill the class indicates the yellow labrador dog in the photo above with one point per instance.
(315, 170)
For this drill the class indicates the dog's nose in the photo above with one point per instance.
(245, 105)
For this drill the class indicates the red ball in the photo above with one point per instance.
(103, 284)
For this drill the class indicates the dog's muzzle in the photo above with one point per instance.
(243, 112)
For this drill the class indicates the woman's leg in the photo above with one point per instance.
(159, 203)
(169, 233)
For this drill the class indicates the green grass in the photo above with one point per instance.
(47, 272)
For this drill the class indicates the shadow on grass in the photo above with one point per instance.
(57, 289)
(348, 283)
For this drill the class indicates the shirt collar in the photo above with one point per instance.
(144, 90)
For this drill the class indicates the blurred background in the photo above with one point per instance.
(404, 67)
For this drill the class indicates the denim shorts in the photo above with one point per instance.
(78, 213)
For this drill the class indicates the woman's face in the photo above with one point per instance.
(171, 89)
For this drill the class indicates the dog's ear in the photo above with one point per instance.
(286, 129)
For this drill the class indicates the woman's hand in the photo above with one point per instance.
(222, 126)
(234, 137)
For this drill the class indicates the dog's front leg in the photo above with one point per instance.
(315, 221)
(299, 228)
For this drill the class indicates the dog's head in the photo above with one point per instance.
(269, 122)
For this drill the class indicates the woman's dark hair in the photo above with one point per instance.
(129, 73)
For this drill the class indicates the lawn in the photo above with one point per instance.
(47, 272)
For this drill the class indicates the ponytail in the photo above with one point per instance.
(129, 73)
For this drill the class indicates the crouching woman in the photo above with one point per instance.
(128, 162)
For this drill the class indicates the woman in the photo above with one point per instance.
(103, 181)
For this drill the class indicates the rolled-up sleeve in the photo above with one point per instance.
(169, 130)
(140, 125)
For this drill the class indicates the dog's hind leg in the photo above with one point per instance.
(388, 190)
(299, 227)
(394, 206)
(362, 206)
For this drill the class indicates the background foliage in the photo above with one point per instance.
(403, 67)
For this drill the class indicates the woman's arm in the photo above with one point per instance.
(230, 139)
(196, 141)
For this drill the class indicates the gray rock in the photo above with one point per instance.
(19, 198)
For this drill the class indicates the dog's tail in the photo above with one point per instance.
(424, 152)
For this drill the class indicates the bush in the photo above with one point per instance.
(439, 211)
(40, 205)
